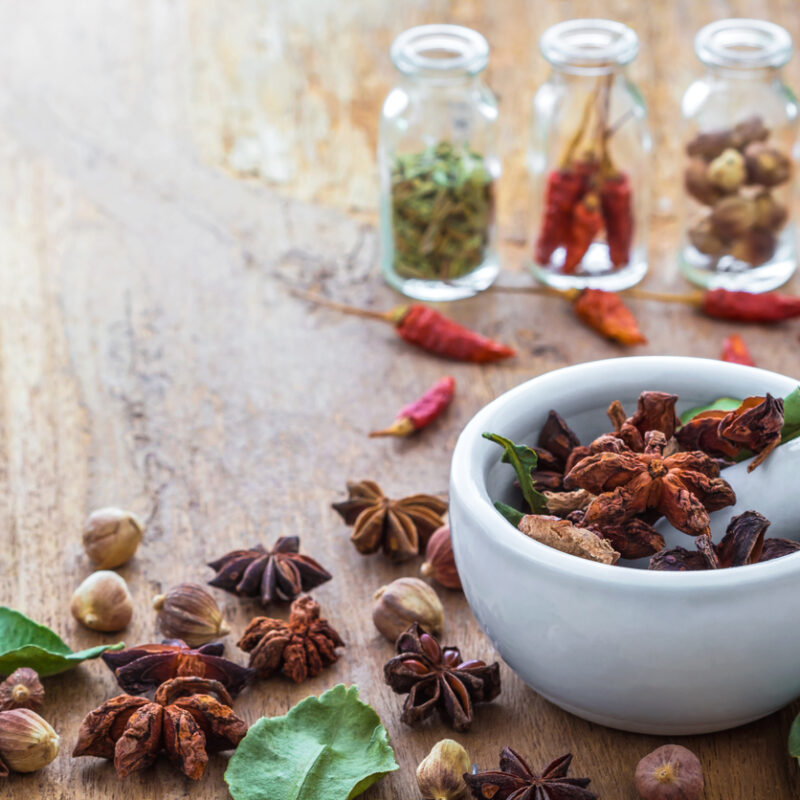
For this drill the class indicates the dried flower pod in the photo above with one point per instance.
(698, 185)
(670, 772)
(732, 217)
(27, 742)
(440, 563)
(189, 612)
(709, 144)
(440, 775)
(770, 214)
(111, 536)
(102, 602)
(727, 171)
(702, 236)
(755, 247)
(561, 534)
(21, 689)
(404, 601)
(766, 165)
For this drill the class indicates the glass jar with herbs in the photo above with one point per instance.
(438, 166)
(740, 131)
(589, 160)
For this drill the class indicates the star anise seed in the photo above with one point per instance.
(279, 574)
(755, 425)
(655, 411)
(435, 678)
(401, 527)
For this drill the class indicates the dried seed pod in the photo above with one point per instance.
(189, 612)
(703, 237)
(770, 214)
(766, 165)
(102, 602)
(749, 130)
(669, 773)
(111, 536)
(732, 217)
(440, 775)
(727, 171)
(403, 602)
(710, 144)
(756, 247)
(27, 742)
(21, 689)
(440, 563)
(698, 185)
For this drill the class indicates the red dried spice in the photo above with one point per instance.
(587, 222)
(564, 189)
(616, 201)
(422, 412)
(608, 315)
(735, 351)
(749, 307)
(756, 425)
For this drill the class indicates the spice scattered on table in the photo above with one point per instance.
(442, 212)
(401, 527)
(440, 775)
(421, 413)
(279, 574)
(608, 315)
(670, 772)
(735, 351)
(111, 537)
(102, 602)
(440, 563)
(22, 689)
(27, 742)
(404, 601)
(515, 780)
(436, 678)
(189, 612)
(750, 307)
(300, 648)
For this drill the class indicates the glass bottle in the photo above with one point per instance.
(438, 166)
(589, 160)
(740, 128)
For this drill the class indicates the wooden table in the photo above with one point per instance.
(169, 170)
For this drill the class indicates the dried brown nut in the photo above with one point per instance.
(727, 171)
(27, 742)
(732, 217)
(766, 165)
(703, 237)
(770, 214)
(404, 601)
(562, 535)
(111, 536)
(440, 563)
(21, 689)
(749, 130)
(710, 144)
(756, 247)
(102, 602)
(189, 612)
(698, 185)
(440, 775)
(669, 773)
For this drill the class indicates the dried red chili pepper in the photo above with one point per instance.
(608, 315)
(428, 329)
(422, 412)
(587, 222)
(564, 189)
(735, 351)
(615, 199)
(749, 307)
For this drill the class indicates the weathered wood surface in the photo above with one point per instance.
(151, 357)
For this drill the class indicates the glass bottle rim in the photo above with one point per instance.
(589, 45)
(440, 51)
(741, 43)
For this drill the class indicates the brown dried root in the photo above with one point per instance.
(561, 534)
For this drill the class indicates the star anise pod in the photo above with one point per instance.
(702, 433)
(435, 677)
(632, 539)
(188, 718)
(683, 487)
(515, 780)
(756, 425)
(655, 411)
(146, 666)
(401, 527)
(278, 574)
(301, 648)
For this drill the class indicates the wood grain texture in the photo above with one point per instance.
(151, 357)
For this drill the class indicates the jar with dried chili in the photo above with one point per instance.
(589, 160)
(740, 124)
(438, 166)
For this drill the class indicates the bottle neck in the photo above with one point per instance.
(757, 75)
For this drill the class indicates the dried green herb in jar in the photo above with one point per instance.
(442, 212)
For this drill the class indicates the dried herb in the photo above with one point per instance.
(146, 666)
(524, 460)
(755, 426)
(608, 315)
(720, 404)
(279, 574)
(436, 678)
(422, 412)
(188, 718)
(401, 527)
(21, 689)
(300, 649)
(25, 643)
(561, 534)
(332, 746)
(515, 780)
(750, 307)
(442, 212)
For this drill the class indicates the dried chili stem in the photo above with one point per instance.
(691, 299)
(318, 299)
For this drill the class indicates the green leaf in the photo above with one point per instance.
(25, 643)
(791, 416)
(330, 746)
(511, 514)
(524, 460)
(720, 404)
(794, 738)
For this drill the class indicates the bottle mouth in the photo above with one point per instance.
(440, 51)
(743, 44)
(589, 45)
